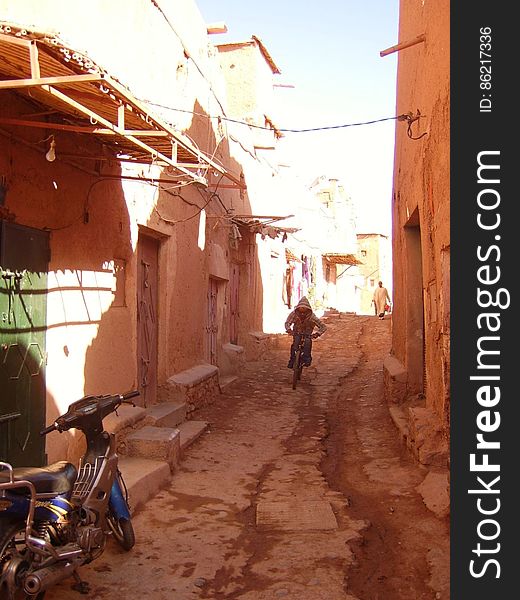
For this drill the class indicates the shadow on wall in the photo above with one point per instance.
(90, 324)
(90, 320)
(213, 280)
(59, 309)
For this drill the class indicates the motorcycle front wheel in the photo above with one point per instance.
(15, 560)
(122, 529)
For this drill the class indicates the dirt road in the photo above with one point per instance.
(300, 494)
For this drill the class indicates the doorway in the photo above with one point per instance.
(234, 287)
(415, 338)
(212, 327)
(147, 324)
(24, 260)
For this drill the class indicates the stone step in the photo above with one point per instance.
(166, 414)
(190, 431)
(126, 416)
(143, 478)
(227, 380)
(155, 443)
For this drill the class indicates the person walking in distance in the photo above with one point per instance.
(380, 300)
(300, 321)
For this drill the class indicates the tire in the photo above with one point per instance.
(123, 531)
(296, 369)
(12, 545)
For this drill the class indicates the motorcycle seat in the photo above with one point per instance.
(57, 478)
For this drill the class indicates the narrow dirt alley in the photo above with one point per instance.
(300, 494)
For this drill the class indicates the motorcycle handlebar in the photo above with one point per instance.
(48, 429)
(101, 405)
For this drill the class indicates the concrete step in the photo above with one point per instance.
(127, 416)
(154, 452)
(155, 443)
(166, 414)
(227, 380)
(143, 478)
(190, 431)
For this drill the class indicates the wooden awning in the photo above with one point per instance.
(83, 98)
(342, 259)
(263, 224)
(290, 255)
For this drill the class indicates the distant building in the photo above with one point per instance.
(374, 254)
(327, 242)
(140, 231)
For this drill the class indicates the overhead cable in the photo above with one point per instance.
(281, 129)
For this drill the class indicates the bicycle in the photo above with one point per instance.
(298, 363)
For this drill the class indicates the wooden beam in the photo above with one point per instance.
(9, 39)
(39, 81)
(34, 58)
(184, 142)
(416, 40)
(81, 129)
(98, 118)
(158, 127)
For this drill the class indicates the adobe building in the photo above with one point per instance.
(417, 373)
(375, 257)
(128, 248)
(248, 71)
(335, 223)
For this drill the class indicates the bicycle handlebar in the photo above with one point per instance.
(313, 335)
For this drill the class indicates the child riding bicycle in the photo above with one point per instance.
(303, 321)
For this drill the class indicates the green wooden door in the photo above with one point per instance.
(24, 257)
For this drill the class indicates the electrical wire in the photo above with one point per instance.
(187, 52)
(212, 195)
(172, 222)
(281, 129)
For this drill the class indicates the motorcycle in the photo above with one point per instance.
(54, 519)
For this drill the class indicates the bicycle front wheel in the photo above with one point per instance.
(296, 369)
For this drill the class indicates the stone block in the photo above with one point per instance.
(426, 437)
(166, 414)
(155, 443)
(126, 416)
(143, 479)
(400, 420)
(197, 387)
(394, 378)
(436, 493)
(232, 359)
(190, 431)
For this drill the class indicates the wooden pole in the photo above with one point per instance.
(402, 45)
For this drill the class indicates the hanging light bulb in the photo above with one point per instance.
(51, 153)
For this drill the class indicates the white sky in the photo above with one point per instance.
(329, 50)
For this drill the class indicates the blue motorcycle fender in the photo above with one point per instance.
(117, 502)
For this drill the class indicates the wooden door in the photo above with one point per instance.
(24, 257)
(212, 328)
(234, 286)
(147, 325)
